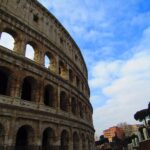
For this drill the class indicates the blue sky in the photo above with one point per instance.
(114, 38)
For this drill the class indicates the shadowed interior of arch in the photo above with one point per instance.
(64, 140)
(24, 138)
(7, 40)
(48, 139)
(49, 96)
(1, 135)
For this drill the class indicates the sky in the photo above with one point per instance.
(114, 38)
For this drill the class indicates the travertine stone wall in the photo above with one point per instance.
(69, 114)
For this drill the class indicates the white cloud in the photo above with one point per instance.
(111, 31)
(126, 84)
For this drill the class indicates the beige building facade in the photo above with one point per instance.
(42, 105)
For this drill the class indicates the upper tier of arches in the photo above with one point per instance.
(32, 50)
(37, 17)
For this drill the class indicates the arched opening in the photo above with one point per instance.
(62, 70)
(48, 139)
(75, 141)
(50, 61)
(63, 101)
(4, 77)
(49, 96)
(30, 51)
(64, 140)
(7, 40)
(77, 82)
(28, 89)
(24, 138)
(73, 105)
(71, 77)
(2, 134)
(80, 109)
(83, 142)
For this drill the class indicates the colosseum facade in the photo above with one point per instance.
(44, 97)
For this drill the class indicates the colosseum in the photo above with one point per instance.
(44, 93)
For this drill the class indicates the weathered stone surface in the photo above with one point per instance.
(58, 105)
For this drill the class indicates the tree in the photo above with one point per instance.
(141, 115)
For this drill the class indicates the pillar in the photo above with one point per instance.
(133, 143)
(20, 44)
(39, 92)
(136, 141)
(58, 97)
(145, 133)
(80, 143)
(139, 136)
(15, 85)
(56, 142)
(70, 143)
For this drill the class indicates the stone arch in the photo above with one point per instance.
(49, 98)
(64, 140)
(63, 70)
(25, 137)
(32, 51)
(48, 138)
(74, 105)
(28, 88)
(8, 38)
(50, 61)
(76, 141)
(5, 77)
(2, 135)
(63, 101)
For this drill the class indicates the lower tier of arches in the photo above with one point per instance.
(24, 131)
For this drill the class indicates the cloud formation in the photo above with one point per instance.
(125, 83)
(114, 37)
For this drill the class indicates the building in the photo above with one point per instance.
(112, 132)
(42, 104)
(129, 130)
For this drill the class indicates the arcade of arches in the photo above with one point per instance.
(26, 89)
(48, 138)
(31, 51)
(44, 92)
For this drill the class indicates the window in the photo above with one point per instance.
(7, 40)
(30, 52)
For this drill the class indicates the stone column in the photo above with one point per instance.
(20, 44)
(57, 65)
(15, 85)
(133, 143)
(10, 137)
(70, 142)
(56, 142)
(145, 133)
(136, 141)
(80, 143)
(139, 136)
(39, 92)
(42, 56)
(58, 97)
